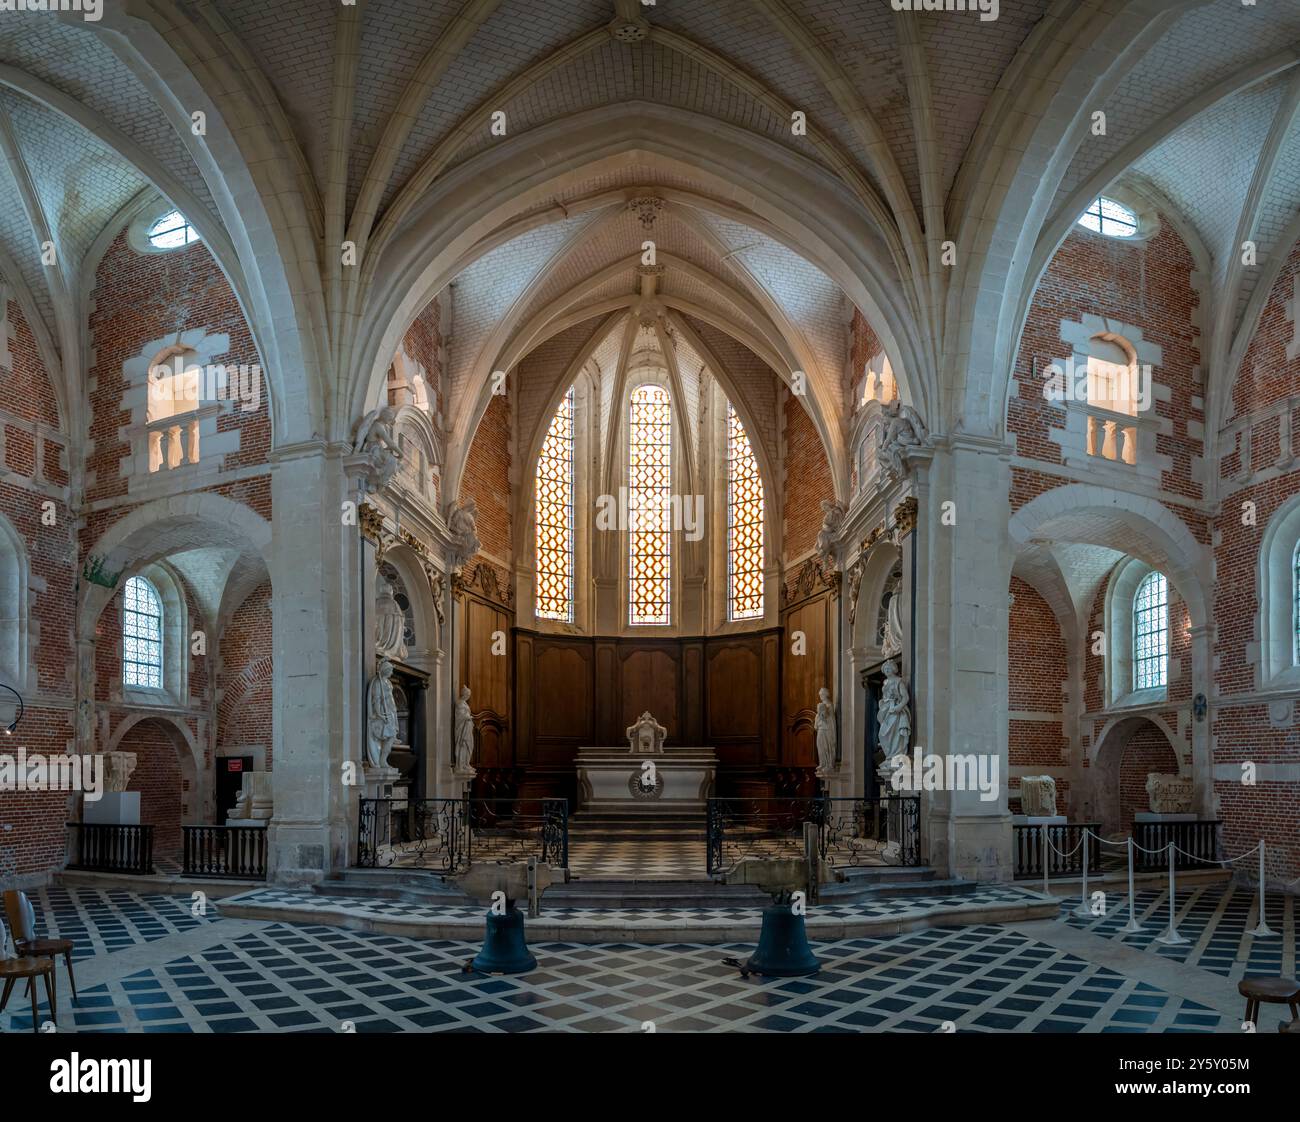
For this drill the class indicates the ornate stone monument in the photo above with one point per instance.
(1169, 797)
(390, 623)
(1038, 796)
(255, 803)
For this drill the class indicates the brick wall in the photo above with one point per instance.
(244, 714)
(1038, 672)
(487, 481)
(1243, 728)
(142, 297)
(807, 482)
(157, 776)
(1147, 750)
(423, 344)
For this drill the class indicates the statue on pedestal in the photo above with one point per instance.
(464, 735)
(381, 725)
(893, 716)
(646, 736)
(1038, 796)
(824, 724)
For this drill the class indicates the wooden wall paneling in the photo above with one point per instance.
(771, 662)
(692, 693)
(606, 691)
(650, 680)
(803, 675)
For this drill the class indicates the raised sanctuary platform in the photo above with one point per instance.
(669, 782)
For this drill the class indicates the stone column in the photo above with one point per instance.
(319, 702)
(1202, 744)
(960, 691)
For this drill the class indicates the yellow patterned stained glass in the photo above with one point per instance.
(744, 523)
(554, 511)
(650, 481)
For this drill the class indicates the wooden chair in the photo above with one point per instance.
(14, 969)
(1269, 991)
(22, 920)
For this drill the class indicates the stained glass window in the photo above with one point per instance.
(1151, 632)
(744, 523)
(650, 471)
(554, 516)
(141, 635)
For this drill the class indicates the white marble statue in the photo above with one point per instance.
(824, 724)
(832, 523)
(903, 431)
(462, 525)
(1038, 796)
(1169, 794)
(891, 639)
(381, 726)
(646, 737)
(464, 735)
(390, 623)
(893, 717)
(377, 441)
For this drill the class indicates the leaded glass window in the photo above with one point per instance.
(1151, 632)
(649, 453)
(744, 523)
(554, 516)
(1106, 216)
(141, 635)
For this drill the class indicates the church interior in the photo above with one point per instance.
(505, 503)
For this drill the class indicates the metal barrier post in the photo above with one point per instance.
(1171, 937)
(1132, 924)
(1082, 909)
(1262, 929)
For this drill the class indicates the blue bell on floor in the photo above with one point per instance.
(783, 950)
(504, 948)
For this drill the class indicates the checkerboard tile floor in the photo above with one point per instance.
(319, 979)
(1214, 919)
(882, 907)
(99, 921)
(632, 859)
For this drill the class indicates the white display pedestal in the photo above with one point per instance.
(611, 781)
(113, 808)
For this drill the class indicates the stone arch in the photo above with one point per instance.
(170, 775)
(445, 233)
(428, 633)
(1131, 524)
(878, 564)
(1127, 749)
(14, 605)
(1276, 576)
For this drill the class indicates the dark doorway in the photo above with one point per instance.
(230, 777)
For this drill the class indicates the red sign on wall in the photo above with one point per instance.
(234, 765)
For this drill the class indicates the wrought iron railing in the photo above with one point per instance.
(883, 830)
(108, 848)
(448, 835)
(235, 852)
(1196, 844)
(1064, 852)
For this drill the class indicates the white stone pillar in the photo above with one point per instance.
(963, 572)
(319, 706)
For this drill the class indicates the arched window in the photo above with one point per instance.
(1151, 632)
(744, 524)
(142, 646)
(171, 231)
(1109, 217)
(650, 482)
(1295, 604)
(554, 517)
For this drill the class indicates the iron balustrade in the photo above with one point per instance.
(110, 848)
(1196, 844)
(448, 835)
(880, 830)
(234, 852)
(1065, 854)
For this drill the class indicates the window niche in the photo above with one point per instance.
(1137, 634)
(1278, 582)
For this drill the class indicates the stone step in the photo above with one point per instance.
(652, 894)
(869, 890)
(891, 873)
